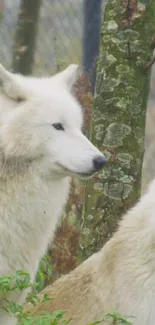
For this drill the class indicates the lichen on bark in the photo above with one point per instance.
(119, 112)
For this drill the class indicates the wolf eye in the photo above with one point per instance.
(58, 126)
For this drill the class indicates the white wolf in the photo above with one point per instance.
(119, 278)
(41, 146)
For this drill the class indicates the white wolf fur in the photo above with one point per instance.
(119, 278)
(36, 162)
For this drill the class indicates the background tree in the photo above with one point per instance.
(117, 128)
(1, 7)
(23, 53)
(119, 112)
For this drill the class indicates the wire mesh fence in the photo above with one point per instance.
(59, 34)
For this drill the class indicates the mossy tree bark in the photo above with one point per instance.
(23, 52)
(119, 112)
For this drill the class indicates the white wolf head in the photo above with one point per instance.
(41, 119)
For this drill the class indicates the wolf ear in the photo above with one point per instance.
(10, 85)
(68, 77)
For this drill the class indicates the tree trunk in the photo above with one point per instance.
(119, 112)
(1, 8)
(23, 53)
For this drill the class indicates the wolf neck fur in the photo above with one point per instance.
(29, 222)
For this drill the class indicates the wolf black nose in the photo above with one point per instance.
(99, 162)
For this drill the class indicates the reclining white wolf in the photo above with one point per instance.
(119, 278)
(41, 146)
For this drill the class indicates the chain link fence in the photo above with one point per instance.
(59, 35)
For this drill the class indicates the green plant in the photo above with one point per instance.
(21, 281)
(116, 318)
(44, 273)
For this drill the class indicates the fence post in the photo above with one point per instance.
(91, 36)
